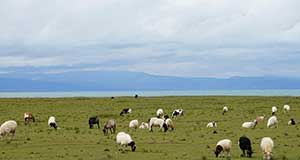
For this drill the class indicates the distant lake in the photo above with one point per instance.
(293, 92)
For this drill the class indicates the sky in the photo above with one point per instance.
(194, 38)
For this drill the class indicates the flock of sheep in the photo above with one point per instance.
(164, 123)
(266, 144)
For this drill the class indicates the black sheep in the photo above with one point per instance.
(125, 111)
(94, 120)
(292, 122)
(245, 145)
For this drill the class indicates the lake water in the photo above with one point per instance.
(293, 92)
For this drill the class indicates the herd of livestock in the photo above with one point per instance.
(165, 123)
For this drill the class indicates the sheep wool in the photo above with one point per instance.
(223, 146)
(266, 146)
(211, 124)
(134, 124)
(8, 127)
(159, 113)
(125, 139)
(52, 122)
(249, 124)
(272, 122)
(286, 108)
(144, 125)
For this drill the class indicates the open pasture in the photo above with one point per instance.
(190, 139)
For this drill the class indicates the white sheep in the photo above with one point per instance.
(223, 146)
(159, 113)
(157, 122)
(125, 140)
(52, 122)
(134, 124)
(274, 110)
(211, 124)
(249, 124)
(266, 146)
(286, 108)
(8, 127)
(144, 125)
(272, 122)
(225, 109)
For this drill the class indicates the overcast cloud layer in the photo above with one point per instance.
(207, 38)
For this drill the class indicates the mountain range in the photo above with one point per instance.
(123, 80)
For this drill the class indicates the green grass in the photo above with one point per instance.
(190, 139)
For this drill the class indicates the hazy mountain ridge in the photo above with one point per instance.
(123, 80)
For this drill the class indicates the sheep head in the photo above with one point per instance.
(132, 145)
(218, 150)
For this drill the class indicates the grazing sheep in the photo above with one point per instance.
(223, 146)
(272, 122)
(157, 122)
(245, 145)
(170, 124)
(124, 139)
(8, 127)
(211, 124)
(125, 111)
(286, 108)
(144, 125)
(111, 125)
(177, 113)
(28, 117)
(52, 122)
(94, 120)
(260, 118)
(249, 124)
(225, 109)
(266, 146)
(159, 113)
(291, 122)
(134, 124)
(274, 110)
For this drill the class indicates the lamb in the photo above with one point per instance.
(144, 125)
(211, 124)
(159, 113)
(225, 109)
(94, 120)
(8, 127)
(286, 108)
(177, 113)
(272, 122)
(260, 118)
(52, 122)
(274, 110)
(245, 145)
(124, 139)
(249, 124)
(266, 146)
(111, 125)
(28, 117)
(157, 122)
(291, 122)
(125, 111)
(134, 124)
(223, 146)
(170, 124)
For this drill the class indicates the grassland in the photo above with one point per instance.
(190, 140)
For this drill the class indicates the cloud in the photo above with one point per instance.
(168, 37)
